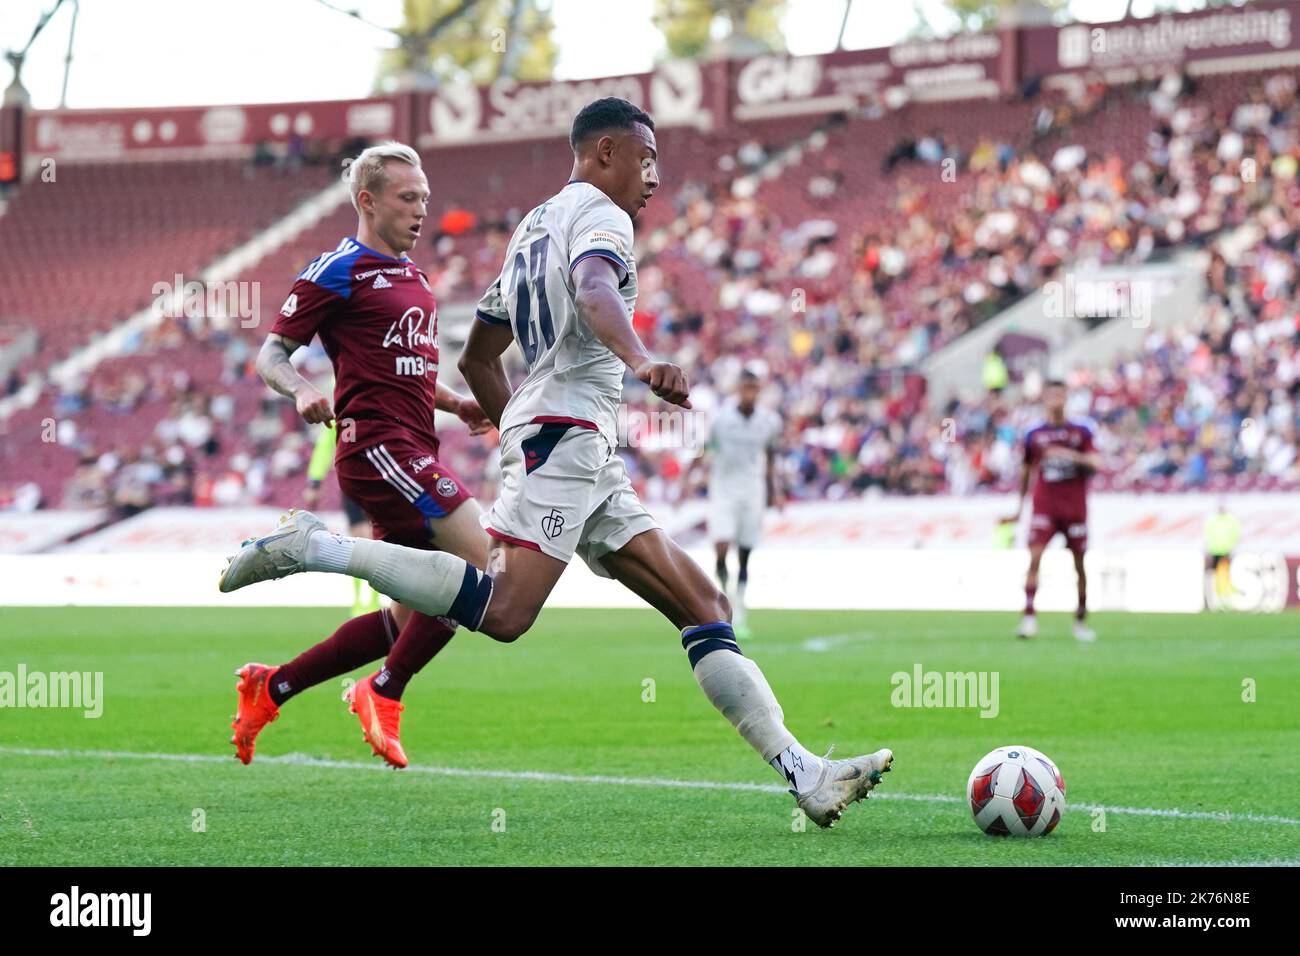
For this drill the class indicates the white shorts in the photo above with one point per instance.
(564, 490)
(736, 519)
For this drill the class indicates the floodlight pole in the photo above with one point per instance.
(67, 60)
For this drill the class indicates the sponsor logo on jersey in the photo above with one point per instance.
(607, 238)
(414, 365)
(381, 283)
(390, 271)
(412, 329)
(419, 464)
(290, 305)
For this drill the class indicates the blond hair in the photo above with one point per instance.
(366, 171)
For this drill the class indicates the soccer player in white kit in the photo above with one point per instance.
(566, 296)
(741, 449)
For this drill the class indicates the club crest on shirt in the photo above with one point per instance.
(553, 524)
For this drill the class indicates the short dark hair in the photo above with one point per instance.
(605, 114)
(748, 375)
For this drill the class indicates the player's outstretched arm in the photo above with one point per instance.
(601, 306)
(279, 374)
(480, 364)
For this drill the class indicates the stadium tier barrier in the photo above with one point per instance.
(933, 553)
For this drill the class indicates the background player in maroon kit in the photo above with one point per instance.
(1063, 455)
(377, 319)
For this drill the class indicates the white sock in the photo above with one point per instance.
(328, 552)
(800, 767)
(428, 581)
(734, 684)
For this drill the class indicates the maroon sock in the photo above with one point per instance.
(422, 638)
(357, 641)
(1029, 598)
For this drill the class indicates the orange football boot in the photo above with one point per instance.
(380, 718)
(256, 709)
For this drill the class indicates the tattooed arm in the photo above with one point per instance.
(279, 374)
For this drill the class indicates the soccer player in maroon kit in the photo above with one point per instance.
(1063, 455)
(377, 319)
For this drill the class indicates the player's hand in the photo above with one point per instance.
(313, 406)
(472, 414)
(311, 497)
(667, 381)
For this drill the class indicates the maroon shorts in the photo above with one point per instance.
(401, 486)
(1043, 527)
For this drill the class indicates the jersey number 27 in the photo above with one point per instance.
(530, 277)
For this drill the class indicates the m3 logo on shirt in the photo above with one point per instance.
(414, 365)
(553, 524)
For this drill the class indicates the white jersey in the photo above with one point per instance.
(571, 374)
(740, 445)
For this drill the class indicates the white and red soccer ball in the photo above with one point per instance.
(1016, 791)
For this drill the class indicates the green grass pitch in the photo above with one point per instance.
(1164, 761)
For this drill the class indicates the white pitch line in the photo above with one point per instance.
(543, 776)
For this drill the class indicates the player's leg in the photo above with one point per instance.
(1223, 576)
(422, 636)
(749, 520)
(523, 577)
(1076, 538)
(654, 567)
(720, 549)
(740, 610)
(264, 689)
(437, 511)
(722, 532)
(1041, 530)
(364, 597)
(1029, 620)
(422, 505)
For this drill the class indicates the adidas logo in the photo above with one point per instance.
(381, 283)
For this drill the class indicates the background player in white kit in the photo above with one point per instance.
(741, 450)
(566, 296)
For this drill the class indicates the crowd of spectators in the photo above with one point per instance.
(836, 313)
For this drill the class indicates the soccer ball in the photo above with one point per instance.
(1016, 791)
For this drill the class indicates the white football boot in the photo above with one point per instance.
(279, 554)
(1082, 632)
(1028, 626)
(842, 782)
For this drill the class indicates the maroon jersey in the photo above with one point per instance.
(1060, 487)
(378, 321)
